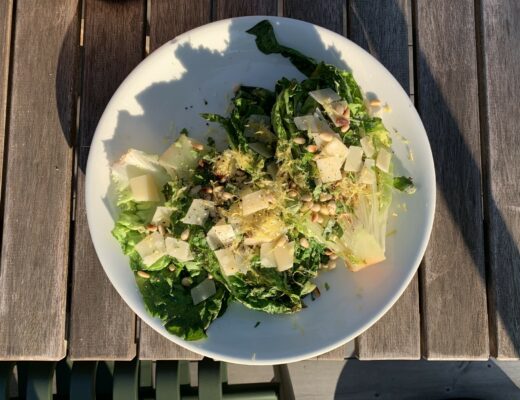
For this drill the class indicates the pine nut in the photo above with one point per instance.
(307, 206)
(326, 136)
(143, 274)
(186, 281)
(218, 189)
(375, 103)
(292, 193)
(325, 197)
(299, 140)
(324, 210)
(307, 197)
(197, 146)
(312, 148)
(332, 207)
(315, 217)
(185, 234)
(316, 207)
(227, 196)
(304, 243)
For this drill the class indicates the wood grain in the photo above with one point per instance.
(171, 18)
(500, 37)
(6, 16)
(380, 27)
(452, 279)
(35, 246)
(167, 20)
(238, 8)
(102, 326)
(330, 14)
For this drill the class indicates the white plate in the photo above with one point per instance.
(168, 90)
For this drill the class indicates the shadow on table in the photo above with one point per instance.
(439, 380)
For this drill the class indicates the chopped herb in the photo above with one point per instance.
(327, 286)
(257, 323)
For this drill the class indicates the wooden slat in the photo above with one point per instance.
(102, 326)
(331, 15)
(6, 15)
(35, 245)
(171, 18)
(237, 8)
(380, 27)
(500, 37)
(454, 313)
(167, 20)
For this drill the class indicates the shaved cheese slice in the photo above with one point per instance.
(267, 259)
(220, 236)
(203, 291)
(151, 248)
(261, 149)
(329, 168)
(384, 157)
(144, 188)
(181, 157)
(307, 123)
(198, 212)
(368, 176)
(368, 146)
(178, 249)
(336, 148)
(325, 96)
(254, 202)
(162, 216)
(354, 160)
(229, 263)
(284, 256)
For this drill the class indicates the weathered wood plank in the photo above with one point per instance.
(102, 326)
(6, 16)
(452, 279)
(167, 20)
(35, 245)
(237, 8)
(331, 15)
(171, 18)
(381, 28)
(500, 37)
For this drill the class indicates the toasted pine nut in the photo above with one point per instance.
(186, 281)
(325, 197)
(324, 210)
(312, 148)
(171, 267)
(227, 196)
(304, 243)
(197, 146)
(326, 136)
(143, 274)
(332, 207)
(307, 197)
(299, 140)
(218, 189)
(151, 228)
(185, 234)
(292, 193)
(316, 208)
(375, 103)
(319, 220)
(207, 190)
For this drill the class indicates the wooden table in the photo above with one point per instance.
(61, 60)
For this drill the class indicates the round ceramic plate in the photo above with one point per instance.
(196, 72)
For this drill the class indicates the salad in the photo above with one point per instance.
(307, 180)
